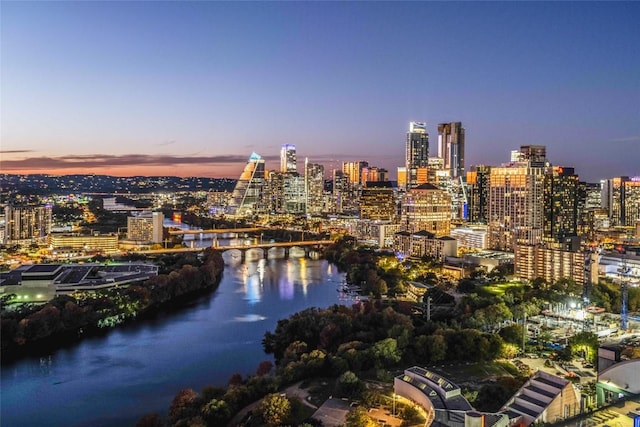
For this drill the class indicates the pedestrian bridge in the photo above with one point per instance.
(273, 250)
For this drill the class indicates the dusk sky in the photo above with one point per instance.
(192, 88)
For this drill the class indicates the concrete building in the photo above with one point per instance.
(471, 237)
(41, 282)
(550, 264)
(443, 401)
(621, 198)
(107, 243)
(27, 224)
(544, 398)
(146, 227)
(377, 202)
(314, 185)
(423, 243)
(516, 211)
(427, 208)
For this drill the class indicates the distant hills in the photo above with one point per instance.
(42, 184)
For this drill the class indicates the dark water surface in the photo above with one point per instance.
(137, 369)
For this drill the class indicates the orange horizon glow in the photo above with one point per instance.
(230, 171)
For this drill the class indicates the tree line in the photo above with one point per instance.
(68, 316)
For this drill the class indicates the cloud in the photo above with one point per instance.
(162, 144)
(103, 161)
(626, 139)
(15, 151)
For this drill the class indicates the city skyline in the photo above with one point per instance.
(191, 89)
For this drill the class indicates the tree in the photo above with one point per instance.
(264, 368)
(274, 409)
(359, 417)
(386, 351)
(349, 384)
(184, 406)
(216, 412)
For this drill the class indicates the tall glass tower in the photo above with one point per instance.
(451, 148)
(246, 198)
(417, 154)
(288, 158)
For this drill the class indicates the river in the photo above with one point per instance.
(137, 369)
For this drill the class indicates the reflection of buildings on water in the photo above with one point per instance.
(286, 275)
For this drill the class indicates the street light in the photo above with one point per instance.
(394, 404)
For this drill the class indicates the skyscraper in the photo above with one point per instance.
(426, 208)
(451, 148)
(288, 158)
(417, 153)
(560, 204)
(621, 197)
(354, 170)
(314, 185)
(516, 208)
(478, 184)
(27, 224)
(247, 195)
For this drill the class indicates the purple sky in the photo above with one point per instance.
(192, 88)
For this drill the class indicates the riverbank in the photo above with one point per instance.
(33, 330)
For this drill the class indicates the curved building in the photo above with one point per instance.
(247, 195)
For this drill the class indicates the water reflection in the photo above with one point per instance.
(113, 380)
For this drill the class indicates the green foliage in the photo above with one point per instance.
(216, 412)
(274, 409)
(359, 417)
(349, 384)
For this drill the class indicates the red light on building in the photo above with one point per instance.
(177, 217)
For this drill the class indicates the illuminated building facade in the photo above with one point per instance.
(247, 195)
(314, 184)
(92, 242)
(146, 227)
(516, 211)
(373, 174)
(26, 224)
(478, 185)
(621, 197)
(451, 148)
(402, 177)
(532, 262)
(377, 202)
(354, 171)
(426, 208)
(560, 204)
(417, 154)
(288, 162)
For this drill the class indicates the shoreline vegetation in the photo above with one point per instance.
(29, 328)
(346, 350)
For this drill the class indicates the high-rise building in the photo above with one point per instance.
(560, 204)
(417, 153)
(534, 155)
(27, 224)
(247, 195)
(478, 185)
(551, 264)
(621, 197)
(516, 211)
(288, 161)
(377, 202)
(273, 194)
(294, 194)
(314, 184)
(354, 171)
(451, 148)
(341, 191)
(373, 174)
(145, 227)
(402, 177)
(426, 208)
